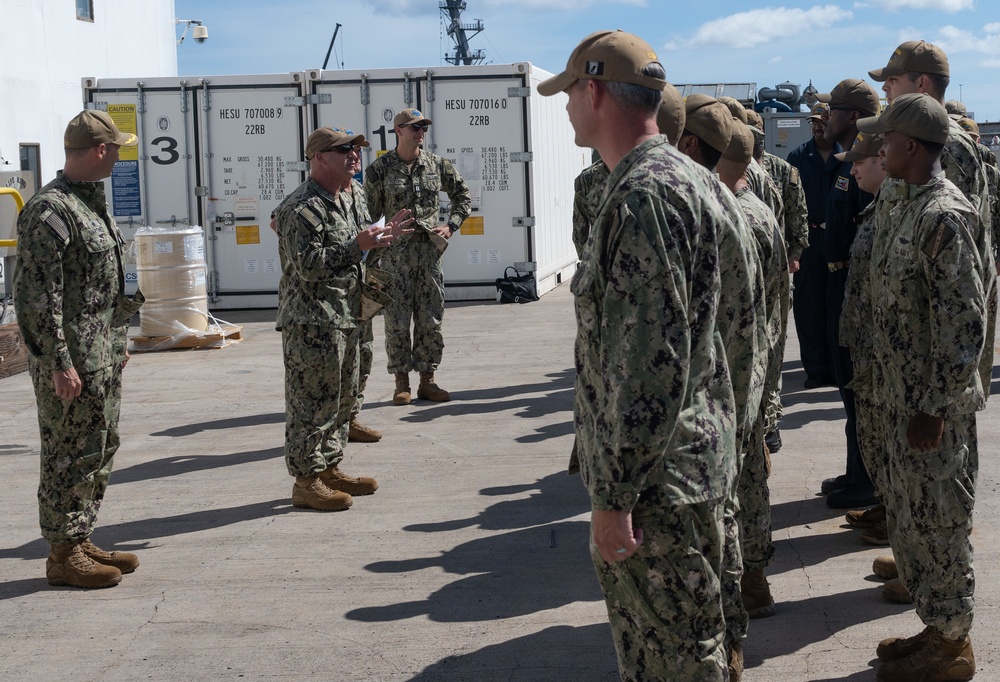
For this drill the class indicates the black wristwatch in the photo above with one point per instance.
(453, 227)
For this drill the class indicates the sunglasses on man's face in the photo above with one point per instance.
(417, 126)
(344, 148)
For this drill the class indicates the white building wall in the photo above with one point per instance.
(46, 51)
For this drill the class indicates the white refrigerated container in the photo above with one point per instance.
(223, 151)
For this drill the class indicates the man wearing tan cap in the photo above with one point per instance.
(323, 239)
(69, 291)
(656, 438)
(850, 100)
(708, 131)
(929, 322)
(412, 178)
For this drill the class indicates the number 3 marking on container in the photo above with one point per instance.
(169, 147)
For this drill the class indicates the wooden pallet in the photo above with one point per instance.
(216, 336)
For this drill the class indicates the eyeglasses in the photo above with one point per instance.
(344, 148)
(417, 126)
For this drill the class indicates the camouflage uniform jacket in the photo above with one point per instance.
(742, 310)
(588, 191)
(653, 408)
(69, 288)
(765, 189)
(774, 266)
(993, 187)
(929, 302)
(793, 198)
(856, 315)
(321, 262)
(390, 185)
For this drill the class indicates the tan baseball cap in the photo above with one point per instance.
(854, 93)
(740, 149)
(614, 56)
(671, 117)
(91, 127)
(865, 145)
(735, 108)
(819, 112)
(709, 120)
(953, 106)
(968, 125)
(325, 139)
(916, 115)
(408, 116)
(756, 123)
(916, 56)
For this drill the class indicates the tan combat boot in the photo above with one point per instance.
(735, 662)
(885, 567)
(756, 594)
(68, 565)
(126, 562)
(939, 660)
(896, 592)
(895, 648)
(311, 493)
(866, 518)
(335, 479)
(877, 535)
(428, 390)
(401, 396)
(359, 433)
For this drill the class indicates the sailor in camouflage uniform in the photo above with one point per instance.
(411, 178)
(69, 292)
(654, 412)
(322, 242)
(929, 288)
(754, 515)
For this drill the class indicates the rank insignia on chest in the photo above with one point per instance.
(842, 183)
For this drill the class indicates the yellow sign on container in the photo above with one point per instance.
(124, 117)
(473, 225)
(248, 234)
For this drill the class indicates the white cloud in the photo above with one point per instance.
(415, 7)
(775, 60)
(990, 64)
(950, 6)
(954, 40)
(760, 26)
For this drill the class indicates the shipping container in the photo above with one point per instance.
(222, 152)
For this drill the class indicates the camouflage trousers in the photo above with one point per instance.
(321, 373)
(929, 506)
(754, 510)
(417, 292)
(872, 437)
(737, 618)
(664, 601)
(366, 352)
(79, 439)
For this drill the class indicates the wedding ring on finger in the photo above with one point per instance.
(621, 550)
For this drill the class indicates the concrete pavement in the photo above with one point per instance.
(469, 563)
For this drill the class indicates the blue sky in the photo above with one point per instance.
(698, 41)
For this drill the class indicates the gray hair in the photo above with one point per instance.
(639, 98)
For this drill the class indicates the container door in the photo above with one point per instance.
(251, 135)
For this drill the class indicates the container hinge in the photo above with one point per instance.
(201, 191)
(522, 157)
(523, 221)
(295, 101)
(300, 166)
(99, 106)
(518, 92)
(319, 98)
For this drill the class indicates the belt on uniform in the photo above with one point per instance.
(420, 235)
(817, 226)
(837, 265)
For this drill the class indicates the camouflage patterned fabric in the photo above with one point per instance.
(793, 198)
(366, 339)
(319, 307)
(417, 288)
(588, 190)
(753, 493)
(73, 313)
(765, 189)
(654, 411)
(928, 293)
